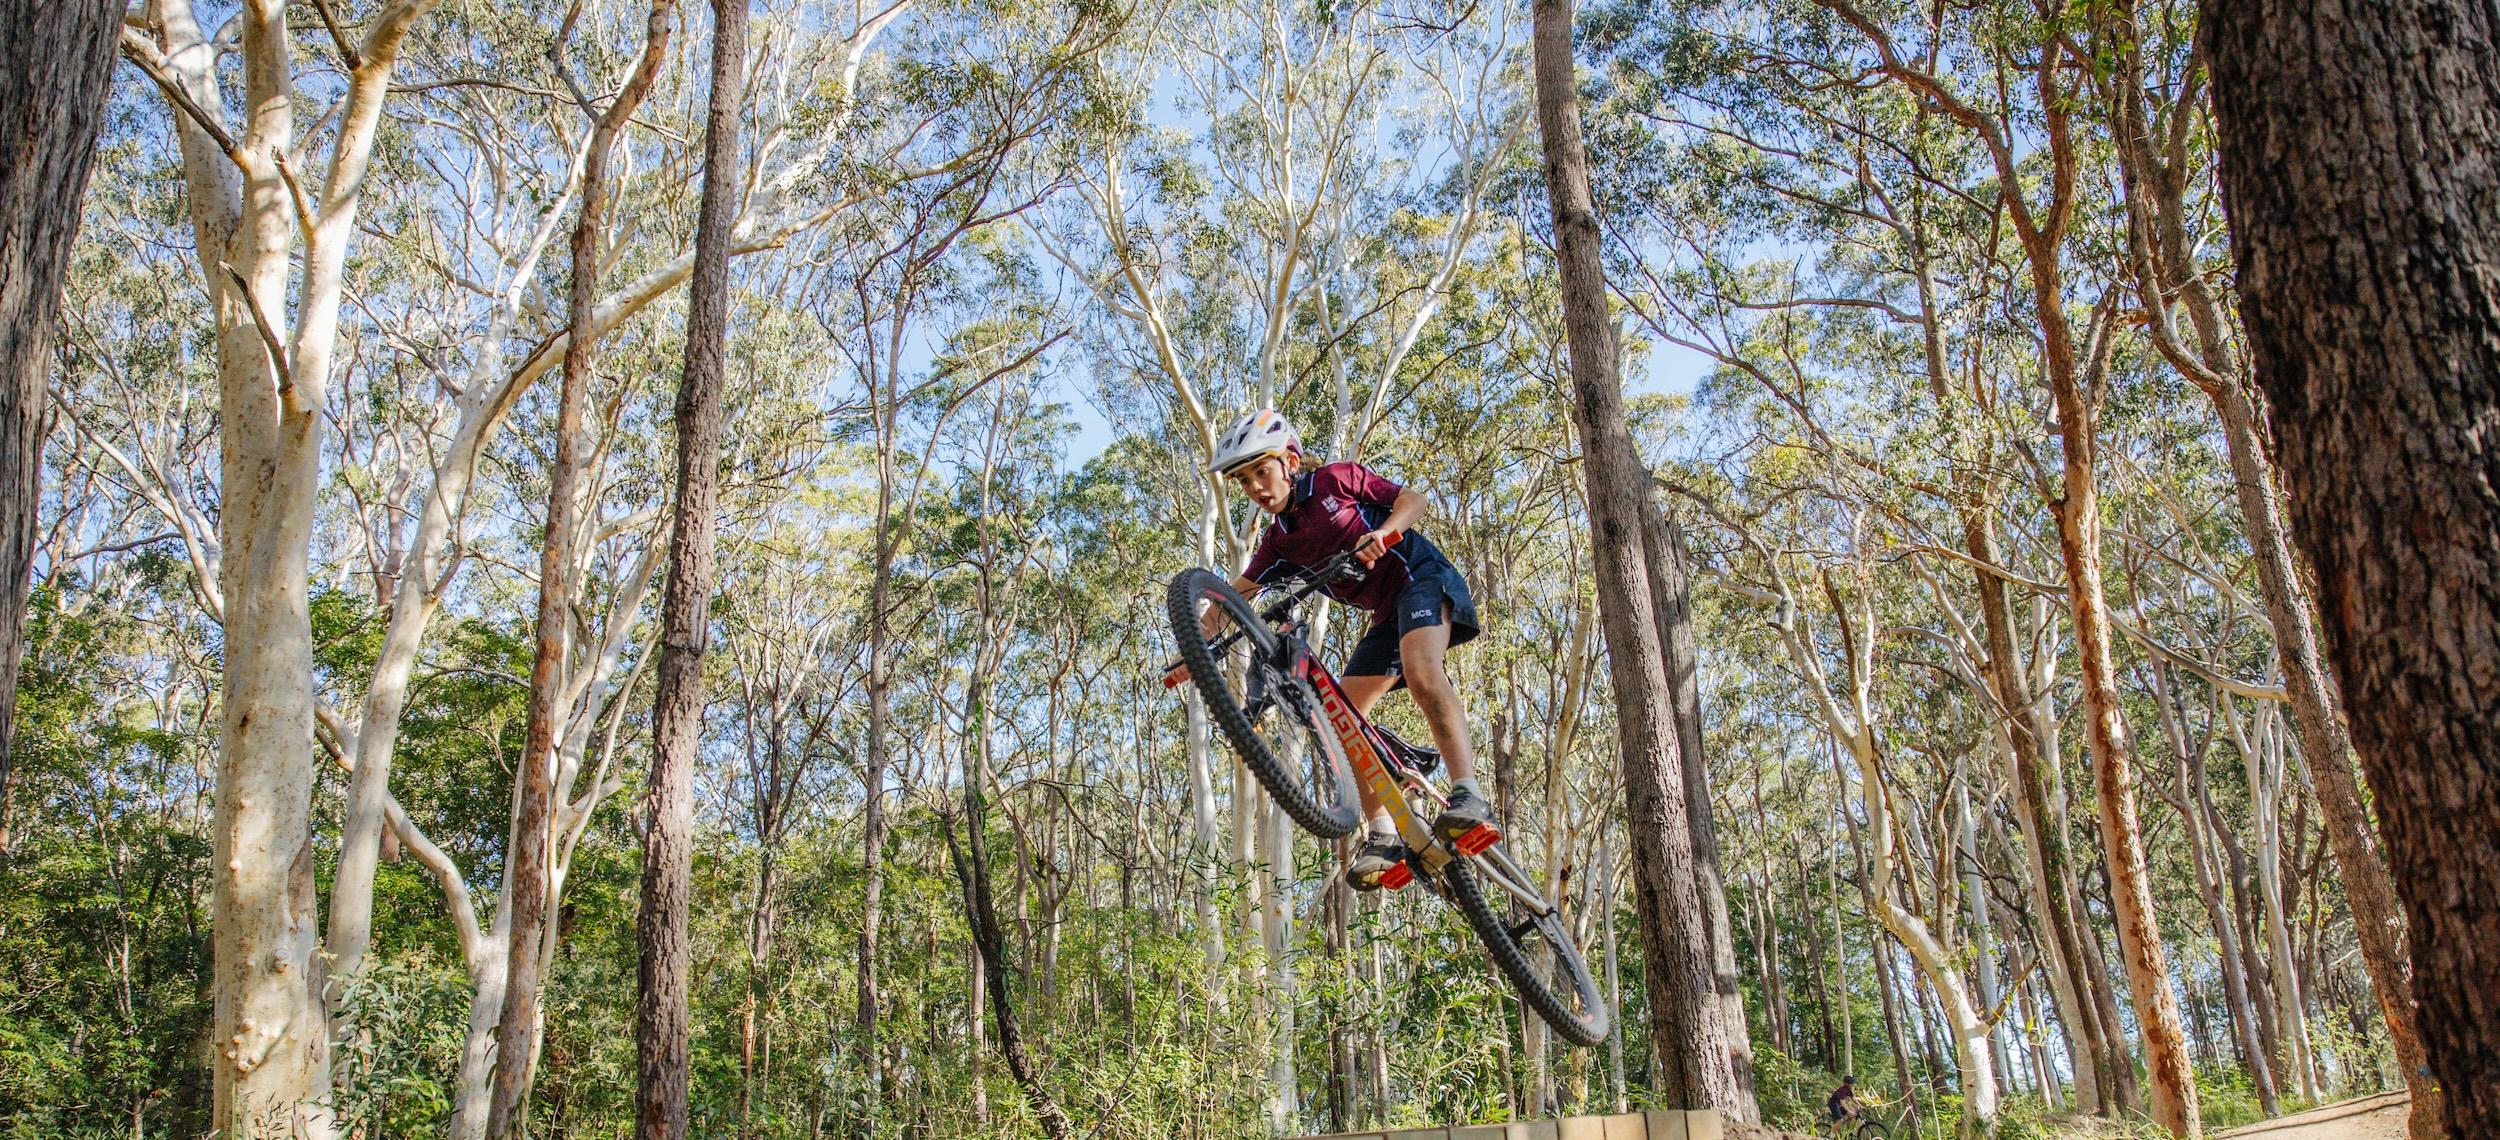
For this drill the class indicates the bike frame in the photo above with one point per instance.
(1361, 747)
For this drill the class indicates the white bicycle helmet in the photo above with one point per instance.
(1260, 434)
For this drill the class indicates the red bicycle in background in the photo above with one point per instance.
(1290, 722)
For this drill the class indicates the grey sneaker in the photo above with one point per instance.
(1467, 823)
(1379, 863)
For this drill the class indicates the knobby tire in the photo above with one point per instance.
(1585, 1027)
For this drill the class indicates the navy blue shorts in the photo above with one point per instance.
(1436, 594)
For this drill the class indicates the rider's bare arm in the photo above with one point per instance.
(1402, 515)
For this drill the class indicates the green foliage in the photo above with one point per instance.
(104, 887)
(396, 1064)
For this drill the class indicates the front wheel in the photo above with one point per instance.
(1567, 997)
(1273, 718)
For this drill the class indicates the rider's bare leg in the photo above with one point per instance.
(1421, 651)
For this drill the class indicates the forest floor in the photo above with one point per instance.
(2380, 1117)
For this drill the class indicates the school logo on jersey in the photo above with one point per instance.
(1330, 504)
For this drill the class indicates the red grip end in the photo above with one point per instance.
(1173, 679)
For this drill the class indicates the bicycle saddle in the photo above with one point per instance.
(1425, 761)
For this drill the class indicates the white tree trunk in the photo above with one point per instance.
(1853, 728)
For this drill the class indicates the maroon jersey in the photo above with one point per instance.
(1332, 509)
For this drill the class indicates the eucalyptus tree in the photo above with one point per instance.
(527, 863)
(1850, 705)
(1716, 157)
(249, 211)
(662, 1012)
(2335, 248)
(497, 162)
(2358, 463)
(1685, 1020)
(1977, 100)
(872, 289)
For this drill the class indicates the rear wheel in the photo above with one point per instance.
(1271, 717)
(1487, 889)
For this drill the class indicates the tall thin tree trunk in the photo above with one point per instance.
(1846, 1059)
(1614, 974)
(880, 682)
(530, 863)
(2122, 841)
(2050, 868)
(56, 72)
(660, 926)
(2191, 776)
(1671, 594)
(971, 861)
(1888, 987)
(1982, 932)
(1694, 1058)
(2043, 1073)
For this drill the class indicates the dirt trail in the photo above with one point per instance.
(2380, 1117)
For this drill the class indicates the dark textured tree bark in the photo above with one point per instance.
(2357, 146)
(1693, 1050)
(660, 926)
(56, 69)
(516, 1032)
(1671, 596)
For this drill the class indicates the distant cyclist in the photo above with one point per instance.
(1843, 1107)
(1418, 603)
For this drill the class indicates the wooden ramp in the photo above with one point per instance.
(1702, 1124)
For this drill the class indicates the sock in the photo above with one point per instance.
(1383, 828)
(1469, 786)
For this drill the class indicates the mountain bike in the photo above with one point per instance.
(1866, 1125)
(1285, 715)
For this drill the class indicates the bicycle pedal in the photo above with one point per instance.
(1475, 840)
(1396, 878)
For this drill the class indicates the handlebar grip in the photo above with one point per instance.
(1394, 537)
(1177, 674)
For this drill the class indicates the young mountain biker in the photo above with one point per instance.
(1418, 603)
